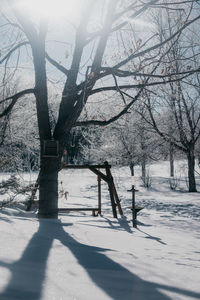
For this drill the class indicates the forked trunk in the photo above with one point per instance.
(191, 176)
(48, 187)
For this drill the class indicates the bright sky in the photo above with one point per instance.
(52, 9)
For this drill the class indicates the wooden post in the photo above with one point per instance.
(108, 179)
(99, 194)
(110, 187)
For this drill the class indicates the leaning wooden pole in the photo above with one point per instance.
(117, 200)
(110, 187)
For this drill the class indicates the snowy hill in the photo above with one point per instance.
(80, 257)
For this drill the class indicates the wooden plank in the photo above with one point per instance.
(93, 210)
(65, 166)
(77, 209)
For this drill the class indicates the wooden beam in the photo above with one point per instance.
(65, 210)
(65, 166)
(98, 173)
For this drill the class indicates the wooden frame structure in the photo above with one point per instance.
(115, 202)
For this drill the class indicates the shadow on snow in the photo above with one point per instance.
(28, 273)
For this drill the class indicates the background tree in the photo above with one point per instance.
(174, 111)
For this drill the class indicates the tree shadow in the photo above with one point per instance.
(28, 273)
(151, 237)
(5, 219)
(119, 224)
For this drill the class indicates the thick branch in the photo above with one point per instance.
(79, 46)
(57, 65)
(103, 37)
(113, 119)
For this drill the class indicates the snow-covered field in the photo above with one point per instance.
(80, 257)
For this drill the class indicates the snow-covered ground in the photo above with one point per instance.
(80, 257)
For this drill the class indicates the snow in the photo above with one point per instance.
(81, 257)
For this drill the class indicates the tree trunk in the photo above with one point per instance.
(171, 159)
(48, 187)
(132, 168)
(191, 176)
(144, 169)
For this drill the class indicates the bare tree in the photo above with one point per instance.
(137, 60)
(174, 112)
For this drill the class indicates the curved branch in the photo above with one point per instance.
(163, 135)
(131, 86)
(113, 119)
(7, 56)
(14, 98)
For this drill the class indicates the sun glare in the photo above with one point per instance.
(51, 9)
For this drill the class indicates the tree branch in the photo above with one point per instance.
(57, 65)
(139, 54)
(7, 56)
(103, 37)
(117, 16)
(116, 117)
(14, 98)
(122, 73)
(131, 86)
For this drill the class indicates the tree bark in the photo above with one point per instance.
(48, 187)
(191, 175)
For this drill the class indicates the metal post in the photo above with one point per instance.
(133, 207)
(133, 196)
